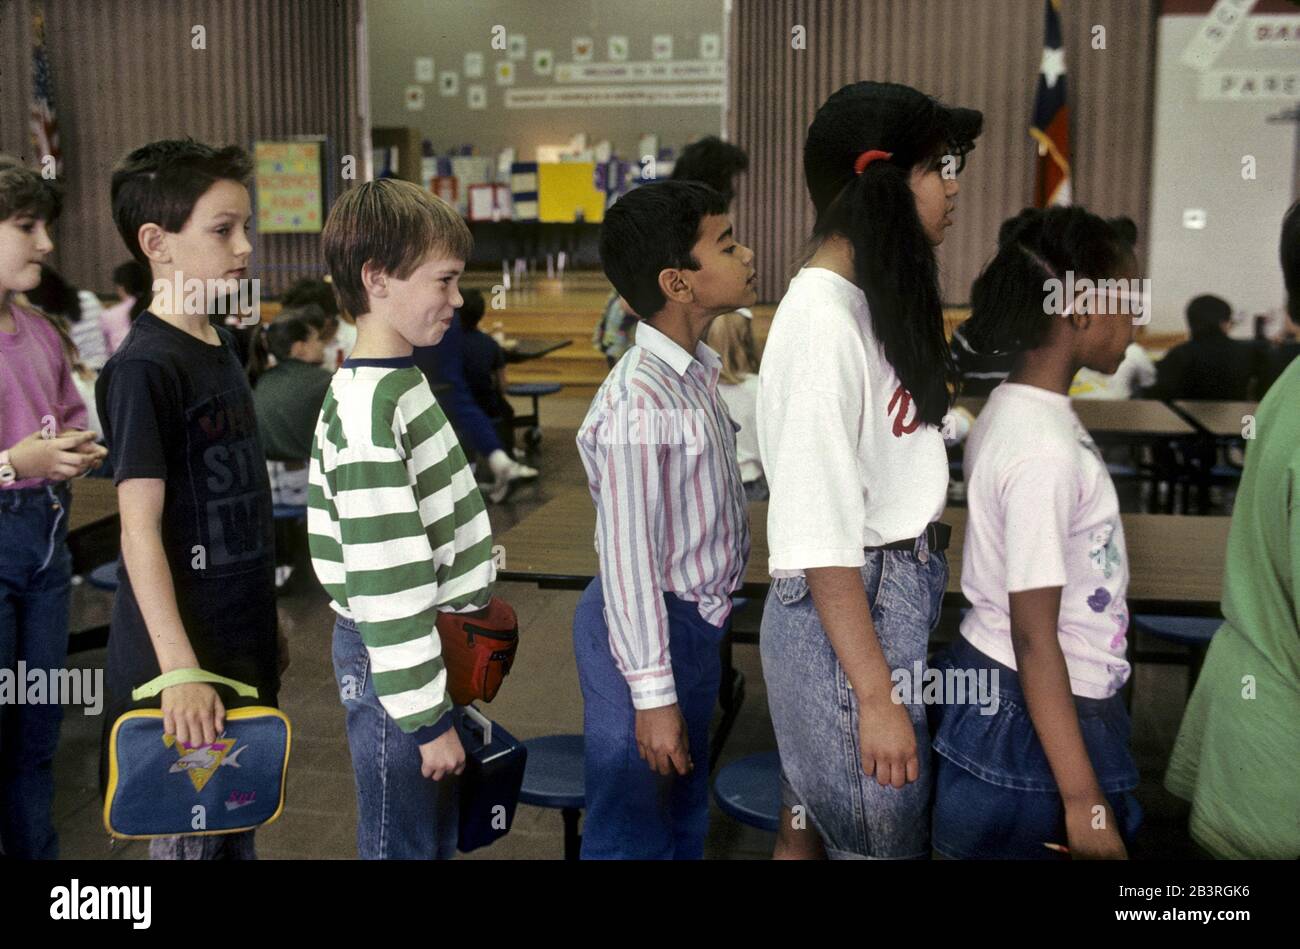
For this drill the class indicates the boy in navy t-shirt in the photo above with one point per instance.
(197, 584)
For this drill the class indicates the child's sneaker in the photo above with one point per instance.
(506, 471)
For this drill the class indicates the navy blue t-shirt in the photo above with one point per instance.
(483, 356)
(178, 409)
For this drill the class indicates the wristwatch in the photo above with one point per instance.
(8, 474)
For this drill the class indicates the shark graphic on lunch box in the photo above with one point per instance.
(161, 787)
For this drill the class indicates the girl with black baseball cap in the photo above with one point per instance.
(854, 386)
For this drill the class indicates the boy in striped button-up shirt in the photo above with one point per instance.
(671, 526)
(397, 526)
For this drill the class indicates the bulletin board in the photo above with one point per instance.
(565, 188)
(289, 186)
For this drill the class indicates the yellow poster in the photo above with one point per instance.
(288, 178)
(565, 189)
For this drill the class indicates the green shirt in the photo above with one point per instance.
(397, 529)
(288, 400)
(1237, 757)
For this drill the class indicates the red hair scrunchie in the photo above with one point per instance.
(866, 158)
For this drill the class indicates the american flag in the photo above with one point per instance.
(1050, 126)
(45, 125)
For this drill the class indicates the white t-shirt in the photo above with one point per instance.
(1043, 513)
(848, 463)
(1135, 373)
(742, 405)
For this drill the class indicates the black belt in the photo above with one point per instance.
(936, 537)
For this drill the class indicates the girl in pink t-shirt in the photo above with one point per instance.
(41, 447)
(1035, 762)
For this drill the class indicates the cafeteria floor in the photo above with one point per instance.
(540, 697)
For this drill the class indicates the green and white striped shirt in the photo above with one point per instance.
(397, 529)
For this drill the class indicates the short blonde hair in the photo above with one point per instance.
(393, 224)
(732, 336)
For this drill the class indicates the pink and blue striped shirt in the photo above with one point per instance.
(660, 454)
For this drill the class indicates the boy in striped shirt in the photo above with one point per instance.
(397, 527)
(672, 531)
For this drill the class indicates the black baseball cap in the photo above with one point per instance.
(888, 116)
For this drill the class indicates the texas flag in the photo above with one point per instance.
(1051, 123)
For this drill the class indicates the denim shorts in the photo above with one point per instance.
(815, 714)
(995, 796)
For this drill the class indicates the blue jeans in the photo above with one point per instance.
(401, 815)
(35, 572)
(633, 812)
(995, 796)
(815, 713)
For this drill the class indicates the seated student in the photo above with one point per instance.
(732, 337)
(1235, 757)
(339, 335)
(1210, 365)
(287, 398)
(197, 582)
(444, 367)
(1283, 352)
(672, 533)
(1041, 757)
(485, 368)
(397, 526)
(131, 281)
(289, 386)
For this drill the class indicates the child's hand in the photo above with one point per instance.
(661, 739)
(1091, 843)
(192, 711)
(55, 459)
(443, 756)
(888, 742)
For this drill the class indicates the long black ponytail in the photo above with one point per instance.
(875, 210)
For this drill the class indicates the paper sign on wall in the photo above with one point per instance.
(543, 62)
(517, 46)
(661, 47)
(476, 96)
(710, 46)
(288, 186)
(424, 69)
(473, 65)
(448, 82)
(618, 49)
(567, 191)
(505, 73)
(414, 98)
(583, 46)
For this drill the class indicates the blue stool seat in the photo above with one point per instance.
(289, 512)
(1187, 630)
(749, 790)
(554, 774)
(104, 577)
(533, 388)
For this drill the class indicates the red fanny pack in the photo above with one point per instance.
(478, 650)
